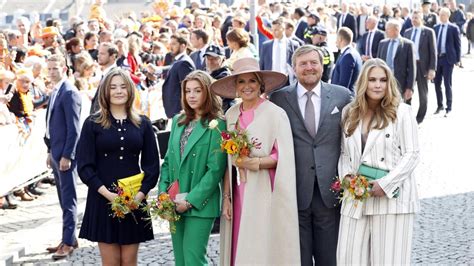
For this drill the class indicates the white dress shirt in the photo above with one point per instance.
(416, 40)
(315, 98)
(279, 55)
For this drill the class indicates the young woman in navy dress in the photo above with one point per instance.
(115, 143)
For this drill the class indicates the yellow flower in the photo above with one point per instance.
(231, 147)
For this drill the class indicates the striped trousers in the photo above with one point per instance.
(375, 240)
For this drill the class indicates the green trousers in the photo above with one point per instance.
(190, 240)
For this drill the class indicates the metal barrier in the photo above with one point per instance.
(22, 158)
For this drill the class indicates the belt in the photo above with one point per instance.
(442, 55)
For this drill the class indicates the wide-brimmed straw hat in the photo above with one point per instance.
(225, 87)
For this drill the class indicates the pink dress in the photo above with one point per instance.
(245, 119)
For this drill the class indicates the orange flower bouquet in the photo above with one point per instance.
(124, 204)
(357, 187)
(237, 144)
(164, 208)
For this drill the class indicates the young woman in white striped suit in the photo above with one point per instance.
(380, 132)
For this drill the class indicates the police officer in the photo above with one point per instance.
(430, 18)
(313, 21)
(319, 36)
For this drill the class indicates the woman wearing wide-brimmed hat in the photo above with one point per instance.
(259, 204)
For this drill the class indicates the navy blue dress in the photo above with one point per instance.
(105, 155)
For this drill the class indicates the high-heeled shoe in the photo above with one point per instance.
(23, 196)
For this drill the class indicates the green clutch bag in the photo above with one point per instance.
(371, 173)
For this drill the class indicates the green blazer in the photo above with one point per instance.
(199, 170)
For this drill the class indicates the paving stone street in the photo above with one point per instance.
(444, 229)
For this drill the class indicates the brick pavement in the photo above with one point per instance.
(444, 231)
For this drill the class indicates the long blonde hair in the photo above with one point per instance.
(387, 110)
(104, 115)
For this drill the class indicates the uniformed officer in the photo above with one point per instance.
(318, 39)
(313, 21)
(430, 18)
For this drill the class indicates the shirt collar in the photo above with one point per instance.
(300, 90)
(107, 70)
(179, 56)
(60, 83)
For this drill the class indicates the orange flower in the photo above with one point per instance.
(164, 197)
(245, 151)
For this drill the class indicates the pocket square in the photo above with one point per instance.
(335, 110)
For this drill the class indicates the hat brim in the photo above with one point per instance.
(225, 87)
(213, 54)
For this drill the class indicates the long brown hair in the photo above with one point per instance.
(104, 115)
(387, 110)
(211, 108)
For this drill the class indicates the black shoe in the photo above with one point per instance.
(447, 113)
(439, 109)
(35, 191)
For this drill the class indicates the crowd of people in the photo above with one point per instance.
(318, 109)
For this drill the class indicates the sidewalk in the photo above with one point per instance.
(444, 229)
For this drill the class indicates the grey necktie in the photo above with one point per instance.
(309, 119)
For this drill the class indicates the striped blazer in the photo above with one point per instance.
(394, 148)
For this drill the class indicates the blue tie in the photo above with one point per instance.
(440, 38)
(390, 54)
(367, 45)
(413, 36)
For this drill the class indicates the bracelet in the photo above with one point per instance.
(188, 205)
(226, 195)
(259, 162)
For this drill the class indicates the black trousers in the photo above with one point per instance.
(422, 86)
(319, 228)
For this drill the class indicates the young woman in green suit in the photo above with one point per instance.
(195, 159)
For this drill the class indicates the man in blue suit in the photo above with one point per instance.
(62, 134)
(276, 54)
(181, 67)
(449, 53)
(349, 63)
(346, 19)
(368, 45)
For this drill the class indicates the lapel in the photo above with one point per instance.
(197, 133)
(289, 50)
(58, 95)
(399, 48)
(357, 138)
(325, 103)
(177, 132)
(292, 99)
(371, 139)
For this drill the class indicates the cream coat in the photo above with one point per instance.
(394, 148)
(269, 223)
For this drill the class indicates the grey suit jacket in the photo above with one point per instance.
(404, 62)
(426, 48)
(318, 157)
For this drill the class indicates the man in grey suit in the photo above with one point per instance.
(314, 109)
(426, 59)
(399, 54)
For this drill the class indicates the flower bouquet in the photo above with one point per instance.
(123, 204)
(164, 208)
(237, 144)
(357, 187)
